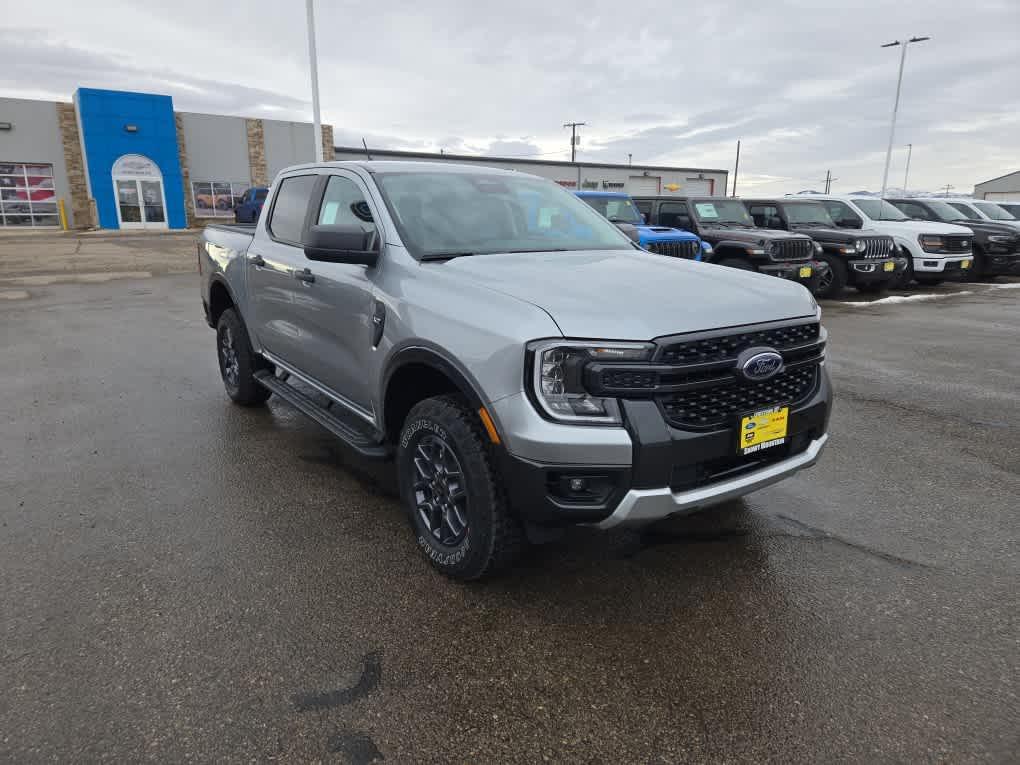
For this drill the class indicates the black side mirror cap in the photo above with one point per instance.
(344, 243)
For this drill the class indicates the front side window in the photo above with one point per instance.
(993, 211)
(841, 213)
(879, 209)
(447, 213)
(344, 204)
(914, 210)
(765, 216)
(614, 209)
(674, 215)
(811, 213)
(645, 208)
(722, 212)
(968, 212)
(287, 220)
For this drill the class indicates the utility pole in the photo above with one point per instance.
(736, 167)
(828, 180)
(906, 173)
(313, 67)
(947, 187)
(573, 136)
(896, 102)
(629, 157)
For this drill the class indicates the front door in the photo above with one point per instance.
(140, 203)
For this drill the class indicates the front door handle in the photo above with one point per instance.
(305, 276)
(257, 260)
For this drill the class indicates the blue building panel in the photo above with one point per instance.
(105, 115)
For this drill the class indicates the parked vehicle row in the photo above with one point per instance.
(524, 362)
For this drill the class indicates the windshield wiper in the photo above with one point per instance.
(544, 249)
(719, 223)
(445, 255)
(623, 220)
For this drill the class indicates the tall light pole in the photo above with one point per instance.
(573, 135)
(906, 173)
(896, 103)
(313, 66)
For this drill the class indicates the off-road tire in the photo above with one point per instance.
(837, 283)
(494, 538)
(240, 383)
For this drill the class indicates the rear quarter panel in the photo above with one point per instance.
(222, 258)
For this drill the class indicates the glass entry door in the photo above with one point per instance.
(140, 203)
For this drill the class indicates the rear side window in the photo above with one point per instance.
(287, 221)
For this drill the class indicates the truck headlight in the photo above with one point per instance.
(930, 242)
(1000, 239)
(861, 245)
(557, 378)
(818, 248)
(706, 247)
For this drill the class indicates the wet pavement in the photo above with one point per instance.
(185, 579)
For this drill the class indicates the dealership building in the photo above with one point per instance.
(114, 159)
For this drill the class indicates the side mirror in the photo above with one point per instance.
(346, 243)
(851, 223)
(644, 218)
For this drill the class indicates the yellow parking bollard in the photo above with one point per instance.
(63, 214)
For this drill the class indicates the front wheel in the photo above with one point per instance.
(832, 281)
(453, 494)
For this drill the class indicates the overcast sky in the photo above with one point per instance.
(803, 83)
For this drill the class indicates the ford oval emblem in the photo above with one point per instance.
(759, 364)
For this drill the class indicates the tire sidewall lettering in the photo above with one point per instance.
(418, 426)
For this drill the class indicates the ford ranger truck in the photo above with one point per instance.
(736, 241)
(995, 246)
(937, 251)
(619, 209)
(524, 364)
(866, 260)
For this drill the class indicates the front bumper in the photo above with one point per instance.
(874, 271)
(995, 264)
(806, 272)
(669, 472)
(946, 266)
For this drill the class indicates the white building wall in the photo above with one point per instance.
(286, 144)
(217, 147)
(1005, 188)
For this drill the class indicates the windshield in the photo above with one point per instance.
(944, 211)
(722, 211)
(808, 212)
(993, 211)
(614, 209)
(968, 212)
(879, 209)
(445, 214)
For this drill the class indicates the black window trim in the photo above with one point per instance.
(276, 196)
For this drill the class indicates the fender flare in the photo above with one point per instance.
(220, 279)
(441, 362)
(742, 246)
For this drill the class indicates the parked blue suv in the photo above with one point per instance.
(619, 208)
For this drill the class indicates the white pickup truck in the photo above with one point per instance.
(937, 251)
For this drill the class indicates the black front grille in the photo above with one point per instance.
(792, 249)
(729, 346)
(721, 403)
(687, 249)
(877, 248)
(956, 243)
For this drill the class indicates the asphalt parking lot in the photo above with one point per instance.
(184, 579)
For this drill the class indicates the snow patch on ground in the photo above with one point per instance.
(908, 298)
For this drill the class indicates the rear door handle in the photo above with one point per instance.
(256, 260)
(305, 276)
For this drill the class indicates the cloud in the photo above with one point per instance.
(803, 85)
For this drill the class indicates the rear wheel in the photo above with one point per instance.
(832, 281)
(906, 276)
(238, 362)
(453, 494)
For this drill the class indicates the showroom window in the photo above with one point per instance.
(217, 199)
(27, 196)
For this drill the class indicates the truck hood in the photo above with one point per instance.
(840, 235)
(664, 234)
(915, 227)
(629, 295)
(756, 236)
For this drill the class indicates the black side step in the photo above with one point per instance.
(358, 440)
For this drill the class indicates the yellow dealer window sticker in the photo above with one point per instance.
(764, 429)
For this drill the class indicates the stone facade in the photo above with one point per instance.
(82, 213)
(182, 155)
(328, 152)
(257, 153)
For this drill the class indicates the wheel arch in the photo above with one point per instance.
(415, 373)
(221, 297)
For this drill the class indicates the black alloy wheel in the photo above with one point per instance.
(439, 492)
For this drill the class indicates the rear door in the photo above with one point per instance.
(275, 258)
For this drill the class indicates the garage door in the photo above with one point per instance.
(27, 196)
(1002, 196)
(695, 187)
(643, 185)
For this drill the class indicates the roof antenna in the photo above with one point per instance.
(367, 154)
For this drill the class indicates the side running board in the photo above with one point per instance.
(360, 441)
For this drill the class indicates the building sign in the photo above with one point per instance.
(615, 185)
(590, 185)
(135, 166)
(568, 184)
(672, 187)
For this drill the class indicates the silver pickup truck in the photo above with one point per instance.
(526, 365)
